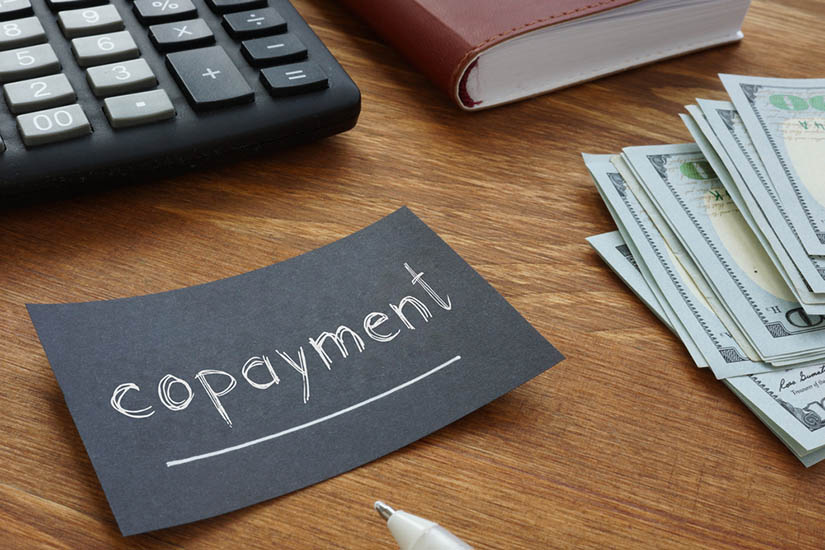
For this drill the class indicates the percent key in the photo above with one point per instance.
(161, 11)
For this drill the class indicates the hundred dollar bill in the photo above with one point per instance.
(616, 254)
(694, 315)
(683, 257)
(600, 164)
(612, 248)
(792, 400)
(681, 183)
(728, 127)
(786, 121)
(719, 160)
(791, 403)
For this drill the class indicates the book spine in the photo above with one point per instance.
(431, 45)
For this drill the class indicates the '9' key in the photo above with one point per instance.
(87, 21)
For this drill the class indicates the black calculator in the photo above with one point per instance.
(108, 87)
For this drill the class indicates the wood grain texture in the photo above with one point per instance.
(623, 445)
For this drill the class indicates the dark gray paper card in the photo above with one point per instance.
(199, 401)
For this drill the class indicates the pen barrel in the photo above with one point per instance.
(438, 538)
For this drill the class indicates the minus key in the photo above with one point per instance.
(274, 50)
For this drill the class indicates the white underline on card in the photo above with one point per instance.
(349, 409)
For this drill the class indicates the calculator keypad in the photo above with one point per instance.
(163, 11)
(27, 62)
(121, 78)
(209, 78)
(45, 101)
(258, 22)
(11, 9)
(21, 32)
(226, 6)
(104, 48)
(298, 78)
(58, 5)
(53, 125)
(86, 21)
(38, 93)
(140, 108)
(273, 50)
(170, 37)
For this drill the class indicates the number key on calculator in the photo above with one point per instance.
(93, 88)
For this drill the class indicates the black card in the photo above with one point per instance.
(199, 401)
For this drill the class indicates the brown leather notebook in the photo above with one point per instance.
(488, 52)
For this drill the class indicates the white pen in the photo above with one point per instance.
(415, 533)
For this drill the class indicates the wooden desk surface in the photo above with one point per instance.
(623, 445)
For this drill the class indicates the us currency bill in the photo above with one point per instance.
(615, 253)
(681, 184)
(682, 303)
(785, 118)
(679, 252)
(791, 403)
(727, 125)
(600, 166)
(724, 240)
(756, 220)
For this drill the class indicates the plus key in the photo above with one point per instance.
(209, 78)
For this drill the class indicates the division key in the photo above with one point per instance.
(257, 22)
(209, 78)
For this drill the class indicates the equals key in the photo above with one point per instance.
(294, 79)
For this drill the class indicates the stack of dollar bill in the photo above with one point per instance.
(724, 239)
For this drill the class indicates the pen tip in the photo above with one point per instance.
(383, 510)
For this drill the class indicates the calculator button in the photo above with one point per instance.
(169, 37)
(273, 50)
(59, 5)
(51, 125)
(121, 78)
(224, 6)
(294, 79)
(11, 9)
(27, 62)
(140, 108)
(209, 78)
(160, 11)
(87, 21)
(21, 32)
(38, 93)
(254, 23)
(104, 48)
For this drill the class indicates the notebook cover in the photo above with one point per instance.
(442, 37)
